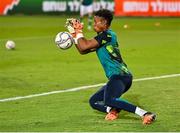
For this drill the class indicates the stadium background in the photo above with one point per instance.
(150, 44)
(120, 7)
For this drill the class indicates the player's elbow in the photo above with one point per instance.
(82, 52)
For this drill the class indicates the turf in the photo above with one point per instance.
(37, 65)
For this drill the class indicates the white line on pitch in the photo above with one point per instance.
(82, 88)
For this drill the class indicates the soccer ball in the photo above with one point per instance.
(64, 40)
(10, 44)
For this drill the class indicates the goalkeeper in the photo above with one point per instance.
(107, 99)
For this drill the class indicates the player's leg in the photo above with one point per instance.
(113, 114)
(89, 21)
(82, 12)
(127, 83)
(147, 117)
(97, 100)
(115, 88)
(90, 12)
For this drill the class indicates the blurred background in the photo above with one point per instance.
(120, 7)
(148, 33)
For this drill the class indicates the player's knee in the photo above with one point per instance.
(92, 102)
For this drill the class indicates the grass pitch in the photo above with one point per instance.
(150, 47)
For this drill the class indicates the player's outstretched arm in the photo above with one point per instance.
(83, 45)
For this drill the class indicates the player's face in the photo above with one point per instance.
(100, 24)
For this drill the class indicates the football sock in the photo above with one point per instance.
(140, 111)
(108, 109)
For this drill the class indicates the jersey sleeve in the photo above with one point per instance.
(103, 38)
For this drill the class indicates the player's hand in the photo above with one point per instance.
(69, 25)
(74, 26)
(77, 25)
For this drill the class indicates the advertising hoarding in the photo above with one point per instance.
(147, 7)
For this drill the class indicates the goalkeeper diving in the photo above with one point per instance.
(108, 98)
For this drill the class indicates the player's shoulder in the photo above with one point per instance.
(105, 37)
(107, 34)
(113, 35)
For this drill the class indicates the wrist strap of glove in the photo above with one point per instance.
(79, 35)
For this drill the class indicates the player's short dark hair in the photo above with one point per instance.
(106, 14)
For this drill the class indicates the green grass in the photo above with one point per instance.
(37, 65)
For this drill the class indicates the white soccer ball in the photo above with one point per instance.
(10, 44)
(64, 40)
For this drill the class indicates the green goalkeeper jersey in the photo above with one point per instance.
(87, 2)
(109, 54)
